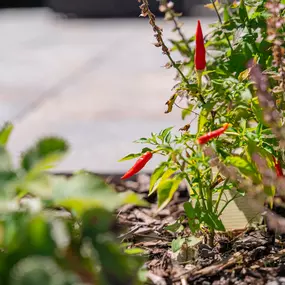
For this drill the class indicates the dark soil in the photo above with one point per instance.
(244, 256)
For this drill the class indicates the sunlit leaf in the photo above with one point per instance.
(166, 190)
(5, 133)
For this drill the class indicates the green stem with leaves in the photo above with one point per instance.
(221, 22)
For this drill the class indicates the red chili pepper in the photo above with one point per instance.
(205, 138)
(278, 167)
(139, 165)
(200, 52)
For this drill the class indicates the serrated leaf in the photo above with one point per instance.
(44, 155)
(84, 191)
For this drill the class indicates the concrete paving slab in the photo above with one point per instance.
(98, 83)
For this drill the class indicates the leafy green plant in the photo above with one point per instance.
(57, 230)
(247, 34)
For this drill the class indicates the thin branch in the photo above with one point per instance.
(221, 21)
(185, 109)
(160, 42)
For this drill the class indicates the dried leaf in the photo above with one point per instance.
(185, 128)
(170, 103)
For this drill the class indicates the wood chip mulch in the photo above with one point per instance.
(244, 256)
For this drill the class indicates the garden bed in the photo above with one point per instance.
(242, 256)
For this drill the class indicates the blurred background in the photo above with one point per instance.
(86, 70)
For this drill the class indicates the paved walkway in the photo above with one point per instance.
(98, 83)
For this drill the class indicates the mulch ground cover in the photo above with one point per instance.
(243, 256)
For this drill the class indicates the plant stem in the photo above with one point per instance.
(176, 24)
(226, 204)
(221, 21)
(177, 27)
(201, 193)
(211, 237)
(160, 42)
(199, 80)
(220, 195)
(187, 178)
(190, 184)
(209, 200)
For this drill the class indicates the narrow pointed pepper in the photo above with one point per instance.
(200, 51)
(207, 137)
(139, 165)
(278, 167)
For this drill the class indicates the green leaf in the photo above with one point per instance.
(141, 140)
(193, 241)
(160, 180)
(269, 191)
(188, 111)
(34, 270)
(158, 172)
(134, 251)
(44, 155)
(166, 190)
(5, 133)
(135, 155)
(130, 156)
(176, 244)
(257, 110)
(213, 221)
(242, 11)
(190, 211)
(132, 198)
(244, 166)
(5, 160)
(194, 216)
(253, 148)
(202, 120)
(226, 14)
(176, 227)
(165, 132)
(84, 191)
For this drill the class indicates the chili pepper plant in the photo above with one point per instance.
(214, 80)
